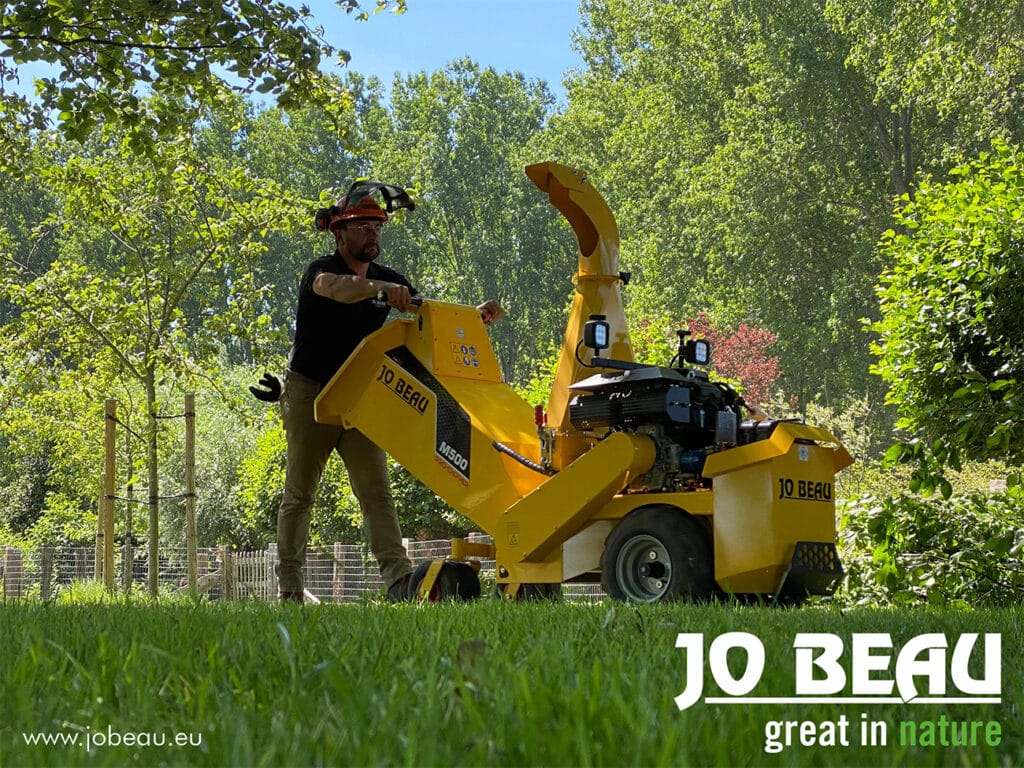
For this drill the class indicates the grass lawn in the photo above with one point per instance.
(486, 684)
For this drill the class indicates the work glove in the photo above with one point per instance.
(272, 393)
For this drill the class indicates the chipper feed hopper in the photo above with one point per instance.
(648, 478)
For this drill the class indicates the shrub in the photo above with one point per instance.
(903, 549)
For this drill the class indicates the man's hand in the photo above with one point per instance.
(272, 393)
(490, 311)
(398, 296)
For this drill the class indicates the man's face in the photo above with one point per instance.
(362, 238)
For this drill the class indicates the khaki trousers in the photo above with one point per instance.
(309, 447)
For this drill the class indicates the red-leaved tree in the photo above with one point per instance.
(741, 355)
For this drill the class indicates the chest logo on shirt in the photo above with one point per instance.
(407, 390)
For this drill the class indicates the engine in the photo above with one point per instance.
(686, 415)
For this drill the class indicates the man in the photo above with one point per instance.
(336, 310)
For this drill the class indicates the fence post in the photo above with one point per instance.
(272, 558)
(46, 577)
(338, 576)
(109, 480)
(190, 490)
(127, 566)
(97, 562)
(13, 573)
(228, 567)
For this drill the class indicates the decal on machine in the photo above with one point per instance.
(804, 490)
(407, 390)
(453, 427)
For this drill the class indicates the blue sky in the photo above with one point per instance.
(528, 36)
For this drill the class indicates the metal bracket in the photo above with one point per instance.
(429, 580)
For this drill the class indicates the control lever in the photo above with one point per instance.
(381, 301)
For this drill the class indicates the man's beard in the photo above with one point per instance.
(367, 253)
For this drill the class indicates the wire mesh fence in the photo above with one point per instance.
(335, 573)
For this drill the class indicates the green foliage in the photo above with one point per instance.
(964, 551)
(106, 55)
(753, 175)
(24, 485)
(229, 424)
(421, 513)
(63, 521)
(260, 485)
(151, 280)
(537, 388)
(480, 230)
(951, 303)
(942, 57)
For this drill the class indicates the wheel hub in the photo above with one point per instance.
(644, 568)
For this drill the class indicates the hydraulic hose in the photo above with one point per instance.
(502, 448)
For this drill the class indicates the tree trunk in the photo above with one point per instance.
(894, 130)
(154, 484)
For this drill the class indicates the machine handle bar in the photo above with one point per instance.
(382, 300)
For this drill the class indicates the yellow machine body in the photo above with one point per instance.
(768, 496)
(430, 392)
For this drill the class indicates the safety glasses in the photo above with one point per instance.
(366, 229)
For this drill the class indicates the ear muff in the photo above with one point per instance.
(323, 216)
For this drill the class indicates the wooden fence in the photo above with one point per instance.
(335, 573)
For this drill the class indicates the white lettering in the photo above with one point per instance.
(991, 683)
(863, 663)
(827, 661)
(909, 665)
(694, 646)
(718, 659)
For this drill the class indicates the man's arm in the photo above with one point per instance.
(349, 289)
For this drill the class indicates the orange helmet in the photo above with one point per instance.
(358, 203)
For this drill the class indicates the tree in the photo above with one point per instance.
(302, 153)
(752, 151)
(480, 229)
(738, 356)
(951, 304)
(107, 55)
(151, 275)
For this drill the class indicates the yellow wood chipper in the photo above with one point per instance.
(648, 478)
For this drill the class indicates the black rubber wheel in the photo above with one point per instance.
(658, 554)
(456, 581)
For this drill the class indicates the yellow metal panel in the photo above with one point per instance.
(556, 510)
(547, 571)
(463, 550)
(402, 410)
(694, 502)
(782, 438)
(451, 340)
(762, 510)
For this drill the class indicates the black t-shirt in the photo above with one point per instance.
(328, 331)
